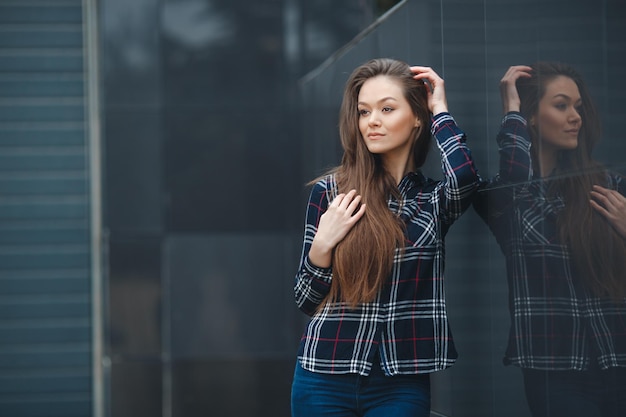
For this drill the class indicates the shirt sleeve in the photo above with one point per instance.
(461, 176)
(312, 283)
(514, 144)
(515, 168)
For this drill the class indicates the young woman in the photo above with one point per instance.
(371, 272)
(560, 220)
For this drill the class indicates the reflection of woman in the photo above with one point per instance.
(371, 273)
(560, 219)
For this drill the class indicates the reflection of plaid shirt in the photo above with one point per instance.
(555, 323)
(407, 323)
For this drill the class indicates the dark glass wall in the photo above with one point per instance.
(203, 197)
(216, 115)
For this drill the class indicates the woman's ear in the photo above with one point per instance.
(418, 129)
(417, 122)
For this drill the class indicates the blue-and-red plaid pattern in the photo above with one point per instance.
(556, 324)
(407, 324)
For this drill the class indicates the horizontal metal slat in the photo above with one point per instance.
(45, 336)
(36, 273)
(39, 133)
(44, 323)
(38, 236)
(41, 84)
(48, 36)
(34, 405)
(34, 186)
(41, 12)
(58, 159)
(48, 286)
(41, 60)
(73, 379)
(51, 258)
(21, 111)
(51, 211)
(43, 360)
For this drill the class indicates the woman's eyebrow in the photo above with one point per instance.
(381, 100)
(557, 95)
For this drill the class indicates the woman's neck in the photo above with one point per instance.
(547, 163)
(398, 169)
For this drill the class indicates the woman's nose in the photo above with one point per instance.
(374, 119)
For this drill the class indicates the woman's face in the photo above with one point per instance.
(558, 119)
(386, 120)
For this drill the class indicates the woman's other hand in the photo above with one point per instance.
(342, 213)
(612, 205)
(508, 89)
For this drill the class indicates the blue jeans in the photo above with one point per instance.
(592, 393)
(351, 395)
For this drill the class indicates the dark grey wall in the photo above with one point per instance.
(203, 197)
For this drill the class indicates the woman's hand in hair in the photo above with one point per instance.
(612, 205)
(437, 102)
(342, 213)
(508, 89)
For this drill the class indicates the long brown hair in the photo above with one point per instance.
(363, 260)
(597, 251)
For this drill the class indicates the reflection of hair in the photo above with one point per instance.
(363, 260)
(597, 250)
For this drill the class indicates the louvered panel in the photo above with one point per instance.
(38, 36)
(47, 406)
(43, 307)
(42, 209)
(45, 283)
(41, 110)
(51, 133)
(48, 336)
(51, 256)
(37, 60)
(43, 182)
(18, 160)
(47, 359)
(44, 231)
(37, 381)
(30, 12)
(61, 281)
(41, 85)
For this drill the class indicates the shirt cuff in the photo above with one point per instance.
(440, 119)
(320, 274)
(513, 117)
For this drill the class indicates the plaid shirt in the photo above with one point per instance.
(556, 324)
(407, 324)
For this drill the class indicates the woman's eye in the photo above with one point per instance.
(363, 112)
(387, 109)
(560, 106)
